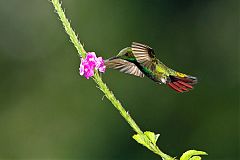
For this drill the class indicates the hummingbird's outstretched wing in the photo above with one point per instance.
(144, 55)
(123, 66)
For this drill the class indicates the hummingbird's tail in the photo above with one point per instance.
(182, 82)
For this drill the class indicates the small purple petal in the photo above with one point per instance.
(91, 59)
(102, 69)
(81, 68)
(99, 62)
(91, 56)
(88, 71)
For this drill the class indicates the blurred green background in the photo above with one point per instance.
(48, 111)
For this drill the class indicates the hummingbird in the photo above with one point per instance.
(140, 60)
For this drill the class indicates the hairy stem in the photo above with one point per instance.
(66, 24)
(103, 87)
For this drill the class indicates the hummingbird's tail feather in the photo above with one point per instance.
(182, 83)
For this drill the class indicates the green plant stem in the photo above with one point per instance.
(103, 87)
(67, 26)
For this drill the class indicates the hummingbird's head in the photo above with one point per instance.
(125, 53)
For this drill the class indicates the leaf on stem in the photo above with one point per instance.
(152, 136)
(147, 139)
(192, 155)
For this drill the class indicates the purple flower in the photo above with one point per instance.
(90, 63)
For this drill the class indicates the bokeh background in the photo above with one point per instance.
(48, 111)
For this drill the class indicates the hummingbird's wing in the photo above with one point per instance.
(124, 66)
(144, 55)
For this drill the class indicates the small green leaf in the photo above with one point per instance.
(152, 136)
(195, 158)
(156, 137)
(139, 139)
(192, 155)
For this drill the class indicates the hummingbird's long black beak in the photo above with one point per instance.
(109, 59)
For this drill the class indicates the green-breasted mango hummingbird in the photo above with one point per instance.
(140, 60)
